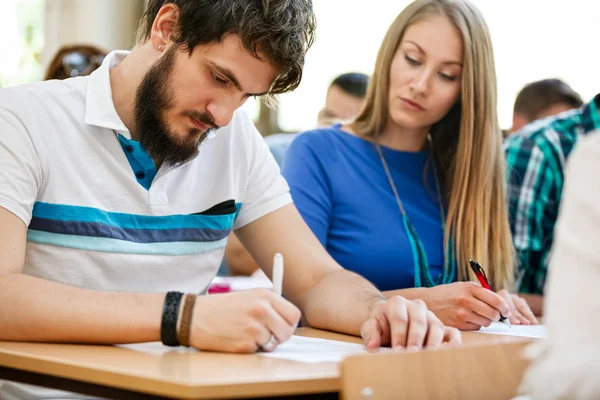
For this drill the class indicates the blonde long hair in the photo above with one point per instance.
(466, 143)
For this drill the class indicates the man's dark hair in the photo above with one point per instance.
(353, 83)
(282, 30)
(538, 96)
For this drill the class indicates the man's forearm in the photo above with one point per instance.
(33, 309)
(238, 260)
(341, 301)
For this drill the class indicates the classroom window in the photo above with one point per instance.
(22, 27)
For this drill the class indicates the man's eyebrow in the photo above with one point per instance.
(231, 76)
(423, 52)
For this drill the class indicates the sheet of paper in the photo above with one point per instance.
(156, 348)
(531, 331)
(314, 350)
(298, 348)
(238, 283)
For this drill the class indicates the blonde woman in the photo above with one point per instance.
(413, 189)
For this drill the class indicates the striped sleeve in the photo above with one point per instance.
(533, 195)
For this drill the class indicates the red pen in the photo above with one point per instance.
(480, 274)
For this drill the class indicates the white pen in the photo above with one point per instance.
(278, 274)
(277, 288)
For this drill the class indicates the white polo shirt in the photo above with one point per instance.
(95, 220)
(98, 213)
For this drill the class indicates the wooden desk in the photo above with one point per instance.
(115, 372)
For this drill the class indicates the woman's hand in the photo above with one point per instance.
(467, 305)
(520, 313)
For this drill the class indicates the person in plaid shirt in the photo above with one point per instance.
(536, 158)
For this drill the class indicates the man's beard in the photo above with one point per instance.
(154, 97)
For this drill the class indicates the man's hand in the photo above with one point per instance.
(403, 323)
(242, 322)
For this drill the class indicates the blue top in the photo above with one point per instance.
(339, 185)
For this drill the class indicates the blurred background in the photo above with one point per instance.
(533, 40)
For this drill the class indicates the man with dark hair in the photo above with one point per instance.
(543, 99)
(118, 191)
(344, 99)
(536, 157)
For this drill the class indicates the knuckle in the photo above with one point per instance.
(462, 301)
(418, 320)
(397, 300)
(251, 330)
(461, 314)
(396, 316)
(259, 309)
(399, 320)
(419, 303)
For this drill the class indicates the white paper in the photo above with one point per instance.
(298, 348)
(156, 348)
(314, 350)
(238, 283)
(500, 328)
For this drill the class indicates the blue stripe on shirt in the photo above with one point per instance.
(96, 229)
(88, 228)
(61, 212)
(122, 246)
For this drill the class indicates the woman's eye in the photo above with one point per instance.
(412, 61)
(448, 77)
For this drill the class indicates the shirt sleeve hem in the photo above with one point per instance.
(247, 216)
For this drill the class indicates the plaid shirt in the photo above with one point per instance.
(536, 158)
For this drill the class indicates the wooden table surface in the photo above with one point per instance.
(189, 375)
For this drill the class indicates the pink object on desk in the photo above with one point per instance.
(226, 284)
(215, 288)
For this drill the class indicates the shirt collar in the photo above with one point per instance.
(99, 107)
(590, 117)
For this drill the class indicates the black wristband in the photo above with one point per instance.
(168, 326)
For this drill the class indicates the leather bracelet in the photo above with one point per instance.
(168, 326)
(186, 319)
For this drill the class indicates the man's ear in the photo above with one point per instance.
(164, 26)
